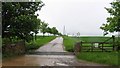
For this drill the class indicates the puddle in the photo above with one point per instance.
(61, 64)
(38, 60)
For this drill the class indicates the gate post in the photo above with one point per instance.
(77, 47)
(102, 47)
(113, 42)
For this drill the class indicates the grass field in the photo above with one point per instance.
(94, 39)
(110, 58)
(39, 42)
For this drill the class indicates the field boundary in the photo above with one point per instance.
(98, 46)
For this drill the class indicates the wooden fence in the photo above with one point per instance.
(96, 46)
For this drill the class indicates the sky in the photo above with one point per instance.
(83, 16)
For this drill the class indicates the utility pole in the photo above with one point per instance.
(64, 30)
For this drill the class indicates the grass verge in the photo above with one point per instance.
(110, 58)
(69, 43)
(39, 42)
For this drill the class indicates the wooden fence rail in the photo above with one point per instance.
(91, 46)
(97, 45)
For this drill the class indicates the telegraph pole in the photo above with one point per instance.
(64, 30)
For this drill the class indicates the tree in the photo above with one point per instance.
(113, 22)
(54, 31)
(49, 30)
(43, 27)
(23, 29)
(19, 19)
(59, 34)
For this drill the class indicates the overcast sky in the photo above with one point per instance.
(84, 16)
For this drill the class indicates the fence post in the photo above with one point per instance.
(92, 47)
(113, 42)
(81, 46)
(102, 47)
(77, 48)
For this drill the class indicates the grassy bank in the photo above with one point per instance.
(40, 41)
(110, 58)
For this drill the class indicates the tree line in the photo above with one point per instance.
(44, 28)
(20, 21)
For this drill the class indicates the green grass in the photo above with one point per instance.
(110, 58)
(68, 43)
(39, 42)
(94, 39)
